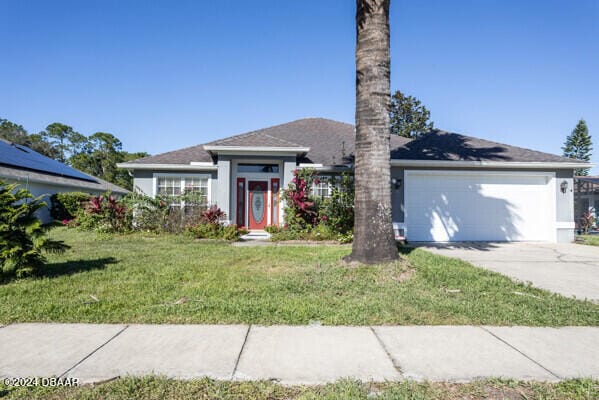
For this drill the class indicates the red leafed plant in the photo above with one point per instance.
(212, 215)
(301, 211)
(106, 213)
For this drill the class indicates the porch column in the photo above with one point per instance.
(223, 194)
(288, 167)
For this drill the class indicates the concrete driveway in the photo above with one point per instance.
(569, 269)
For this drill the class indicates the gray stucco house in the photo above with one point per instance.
(43, 176)
(445, 186)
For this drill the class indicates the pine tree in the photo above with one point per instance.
(409, 117)
(579, 146)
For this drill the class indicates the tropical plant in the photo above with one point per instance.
(579, 146)
(22, 235)
(105, 214)
(300, 207)
(212, 215)
(211, 226)
(373, 231)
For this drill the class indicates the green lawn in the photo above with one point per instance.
(166, 389)
(140, 278)
(591, 240)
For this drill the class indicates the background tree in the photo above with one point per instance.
(17, 134)
(99, 157)
(96, 155)
(578, 145)
(373, 231)
(64, 139)
(409, 117)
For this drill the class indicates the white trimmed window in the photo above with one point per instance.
(169, 185)
(197, 186)
(323, 189)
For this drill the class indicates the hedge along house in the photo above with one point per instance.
(446, 186)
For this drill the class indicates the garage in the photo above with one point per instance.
(466, 205)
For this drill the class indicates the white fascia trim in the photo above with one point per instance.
(257, 149)
(489, 164)
(328, 168)
(170, 167)
(308, 165)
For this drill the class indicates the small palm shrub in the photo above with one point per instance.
(22, 235)
(65, 206)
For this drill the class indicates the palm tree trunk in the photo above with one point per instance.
(373, 230)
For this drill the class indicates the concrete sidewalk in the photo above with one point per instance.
(298, 354)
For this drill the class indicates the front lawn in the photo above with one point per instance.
(151, 388)
(174, 279)
(591, 240)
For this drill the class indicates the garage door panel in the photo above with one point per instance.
(478, 207)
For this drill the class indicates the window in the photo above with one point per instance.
(169, 186)
(323, 189)
(195, 188)
(258, 168)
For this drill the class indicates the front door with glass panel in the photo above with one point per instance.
(257, 204)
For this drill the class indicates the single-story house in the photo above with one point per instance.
(445, 186)
(43, 176)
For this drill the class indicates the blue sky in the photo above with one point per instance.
(162, 75)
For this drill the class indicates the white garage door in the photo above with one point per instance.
(450, 206)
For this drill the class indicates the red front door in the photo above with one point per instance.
(257, 204)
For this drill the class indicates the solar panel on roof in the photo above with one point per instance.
(23, 157)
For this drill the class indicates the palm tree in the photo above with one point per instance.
(373, 231)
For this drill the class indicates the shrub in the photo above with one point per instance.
(587, 221)
(337, 211)
(318, 233)
(301, 210)
(310, 218)
(148, 213)
(65, 206)
(210, 226)
(216, 231)
(22, 235)
(105, 214)
(212, 215)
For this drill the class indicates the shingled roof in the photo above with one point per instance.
(440, 145)
(332, 143)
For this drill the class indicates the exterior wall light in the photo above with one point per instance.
(563, 186)
(396, 183)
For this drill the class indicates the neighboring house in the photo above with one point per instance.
(586, 196)
(445, 186)
(43, 176)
